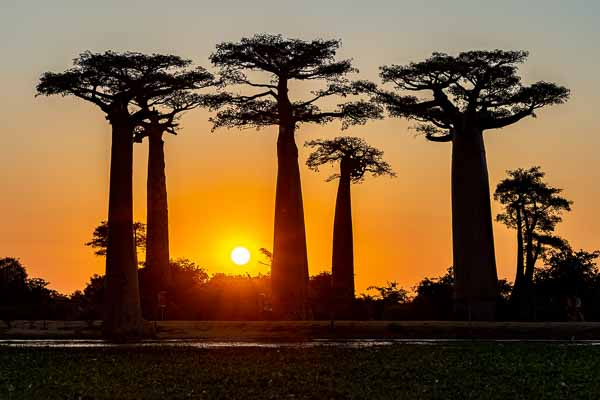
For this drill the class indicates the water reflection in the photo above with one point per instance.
(199, 344)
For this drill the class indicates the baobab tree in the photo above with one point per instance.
(112, 81)
(265, 66)
(533, 208)
(471, 93)
(356, 159)
(163, 113)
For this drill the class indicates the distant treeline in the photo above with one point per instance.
(567, 287)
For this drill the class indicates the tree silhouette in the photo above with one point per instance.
(283, 61)
(533, 209)
(434, 296)
(471, 93)
(569, 278)
(163, 112)
(392, 293)
(112, 81)
(13, 281)
(99, 240)
(321, 296)
(356, 159)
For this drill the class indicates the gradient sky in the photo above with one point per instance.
(55, 151)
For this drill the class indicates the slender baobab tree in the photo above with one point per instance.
(533, 208)
(265, 66)
(356, 159)
(470, 93)
(163, 113)
(112, 81)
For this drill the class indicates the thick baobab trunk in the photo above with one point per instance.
(342, 262)
(158, 276)
(289, 271)
(472, 234)
(123, 317)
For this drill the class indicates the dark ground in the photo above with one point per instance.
(306, 330)
(446, 371)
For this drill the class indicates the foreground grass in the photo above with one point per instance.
(467, 371)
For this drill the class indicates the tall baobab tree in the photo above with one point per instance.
(163, 113)
(471, 93)
(112, 81)
(533, 208)
(356, 159)
(265, 66)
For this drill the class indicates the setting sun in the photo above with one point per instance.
(240, 255)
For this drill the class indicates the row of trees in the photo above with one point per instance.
(143, 95)
(22, 297)
(565, 274)
(532, 207)
(567, 286)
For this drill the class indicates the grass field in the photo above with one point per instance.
(462, 371)
(305, 330)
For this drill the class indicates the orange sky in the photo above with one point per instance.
(221, 185)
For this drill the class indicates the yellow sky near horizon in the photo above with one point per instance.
(55, 151)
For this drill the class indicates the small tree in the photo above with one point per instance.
(13, 281)
(434, 297)
(321, 299)
(99, 240)
(391, 294)
(569, 278)
(112, 81)
(90, 300)
(470, 93)
(533, 209)
(356, 159)
(283, 61)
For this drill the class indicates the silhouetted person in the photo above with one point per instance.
(283, 61)
(356, 159)
(470, 93)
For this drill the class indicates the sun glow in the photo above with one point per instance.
(240, 255)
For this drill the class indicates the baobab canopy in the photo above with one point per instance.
(360, 157)
(104, 78)
(285, 60)
(356, 158)
(481, 86)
